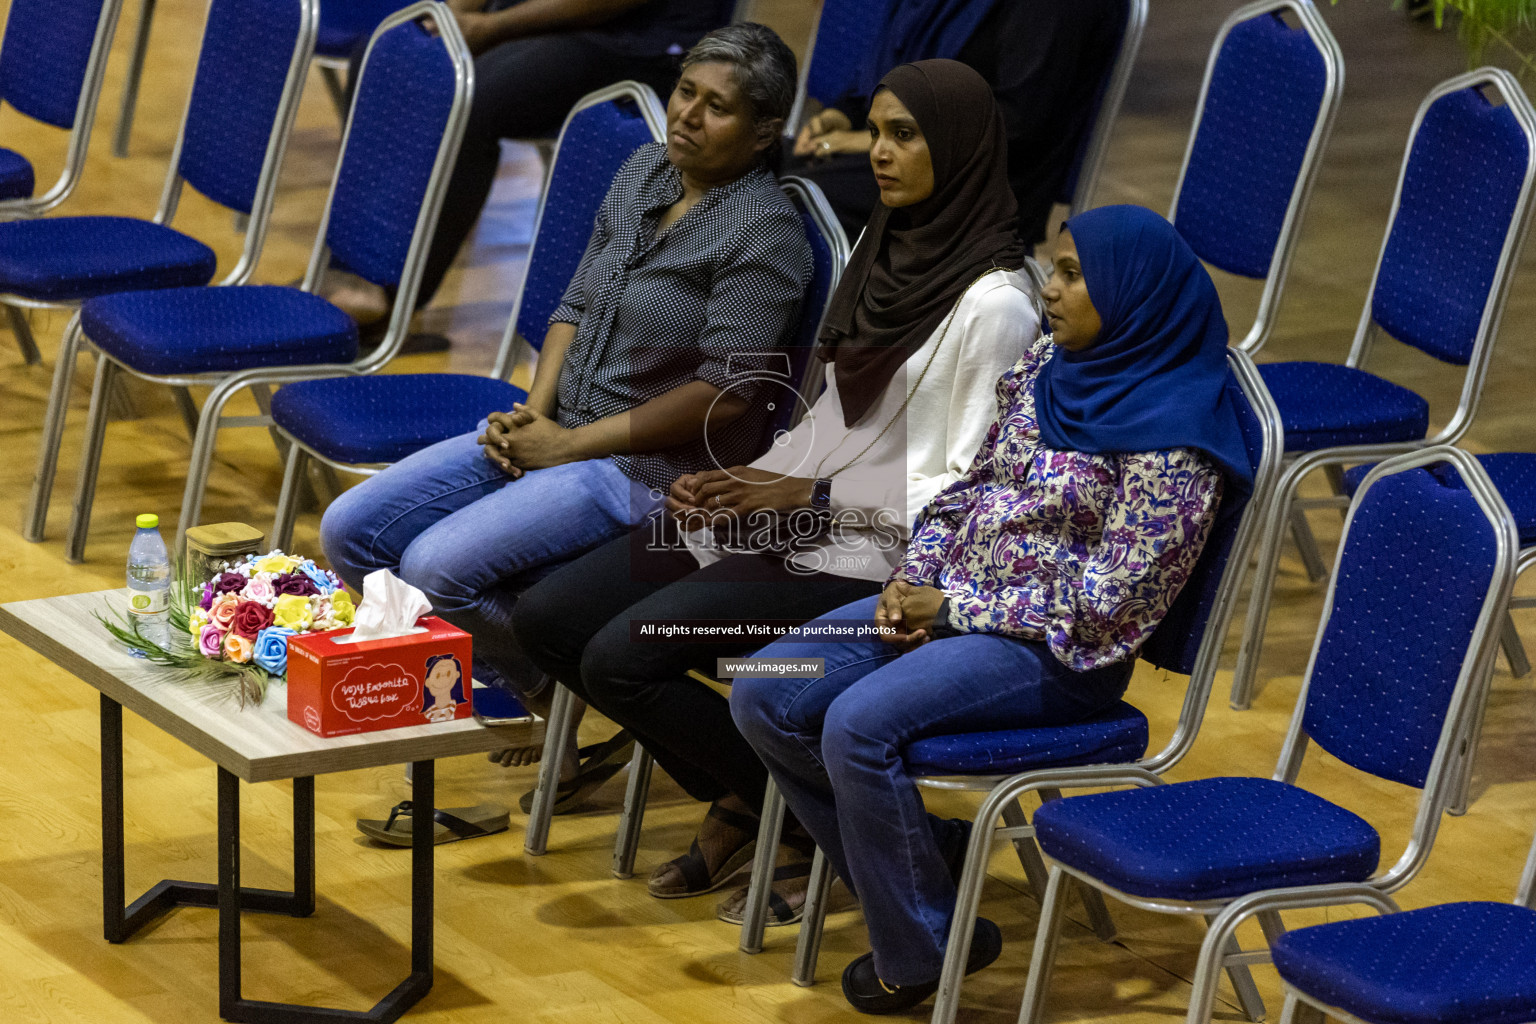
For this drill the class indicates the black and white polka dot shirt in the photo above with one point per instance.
(711, 299)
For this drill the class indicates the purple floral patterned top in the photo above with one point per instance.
(1084, 552)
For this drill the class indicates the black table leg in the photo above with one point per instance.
(231, 898)
(234, 1007)
(120, 924)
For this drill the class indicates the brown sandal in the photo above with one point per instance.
(697, 878)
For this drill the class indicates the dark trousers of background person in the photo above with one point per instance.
(524, 89)
(575, 626)
(847, 181)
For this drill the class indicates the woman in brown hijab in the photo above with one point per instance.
(926, 318)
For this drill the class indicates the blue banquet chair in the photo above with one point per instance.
(1388, 692)
(1111, 748)
(230, 147)
(1453, 240)
(1266, 109)
(344, 25)
(52, 63)
(363, 423)
(1456, 963)
(401, 140)
(829, 252)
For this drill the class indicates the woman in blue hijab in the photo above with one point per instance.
(1028, 589)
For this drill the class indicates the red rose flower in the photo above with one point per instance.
(250, 618)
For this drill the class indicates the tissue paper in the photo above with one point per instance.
(390, 608)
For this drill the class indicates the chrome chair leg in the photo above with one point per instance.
(24, 339)
(973, 876)
(288, 497)
(53, 433)
(1208, 968)
(1261, 590)
(808, 946)
(769, 830)
(1514, 650)
(556, 731)
(1043, 957)
(200, 464)
(335, 89)
(188, 410)
(90, 461)
(633, 817)
(1024, 847)
(131, 82)
(1306, 546)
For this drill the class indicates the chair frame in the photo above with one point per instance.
(1306, 176)
(512, 343)
(1219, 949)
(1301, 1008)
(80, 133)
(1004, 791)
(1096, 146)
(225, 385)
(35, 523)
(74, 160)
(557, 732)
(1284, 504)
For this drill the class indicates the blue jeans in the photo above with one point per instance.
(834, 746)
(449, 522)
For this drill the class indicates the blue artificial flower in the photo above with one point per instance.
(321, 578)
(271, 651)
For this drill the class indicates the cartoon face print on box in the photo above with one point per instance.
(442, 688)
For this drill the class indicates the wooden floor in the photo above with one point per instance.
(555, 939)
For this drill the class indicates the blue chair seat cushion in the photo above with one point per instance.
(363, 420)
(1116, 736)
(219, 330)
(1513, 473)
(1458, 963)
(1208, 839)
(1325, 405)
(16, 181)
(63, 259)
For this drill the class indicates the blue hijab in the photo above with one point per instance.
(919, 30)
(1156, 377)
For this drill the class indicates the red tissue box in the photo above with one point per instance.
(335, 689)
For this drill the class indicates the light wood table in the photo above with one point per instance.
(257, 744)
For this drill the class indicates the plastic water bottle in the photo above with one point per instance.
(149, 581)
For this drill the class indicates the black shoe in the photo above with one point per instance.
(866, 993)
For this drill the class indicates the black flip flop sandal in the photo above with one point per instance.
(697, 878)
(780, 913)
(449, 825)
(599, 763)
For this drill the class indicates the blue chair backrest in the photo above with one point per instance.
(1416, 567)
(247, 51)
(1261, 106)
(818, 292)
(399, 115)
(1175, 644)
(845, 33)
(593, 146)
(1460, 188)
(345, 23)
(44, 56)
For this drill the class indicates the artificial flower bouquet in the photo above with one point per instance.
(239, 622)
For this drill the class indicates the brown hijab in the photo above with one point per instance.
(912, 264)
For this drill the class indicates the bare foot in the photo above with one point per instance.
(522, 757)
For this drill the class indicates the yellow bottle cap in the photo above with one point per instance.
(148, 521)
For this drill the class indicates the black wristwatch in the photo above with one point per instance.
(821, 495)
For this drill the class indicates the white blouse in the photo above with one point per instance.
(947, 387)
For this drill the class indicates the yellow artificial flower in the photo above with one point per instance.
(196, 621)
(341, 608)
(238, 648)
(292, 612)
(276, 563)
